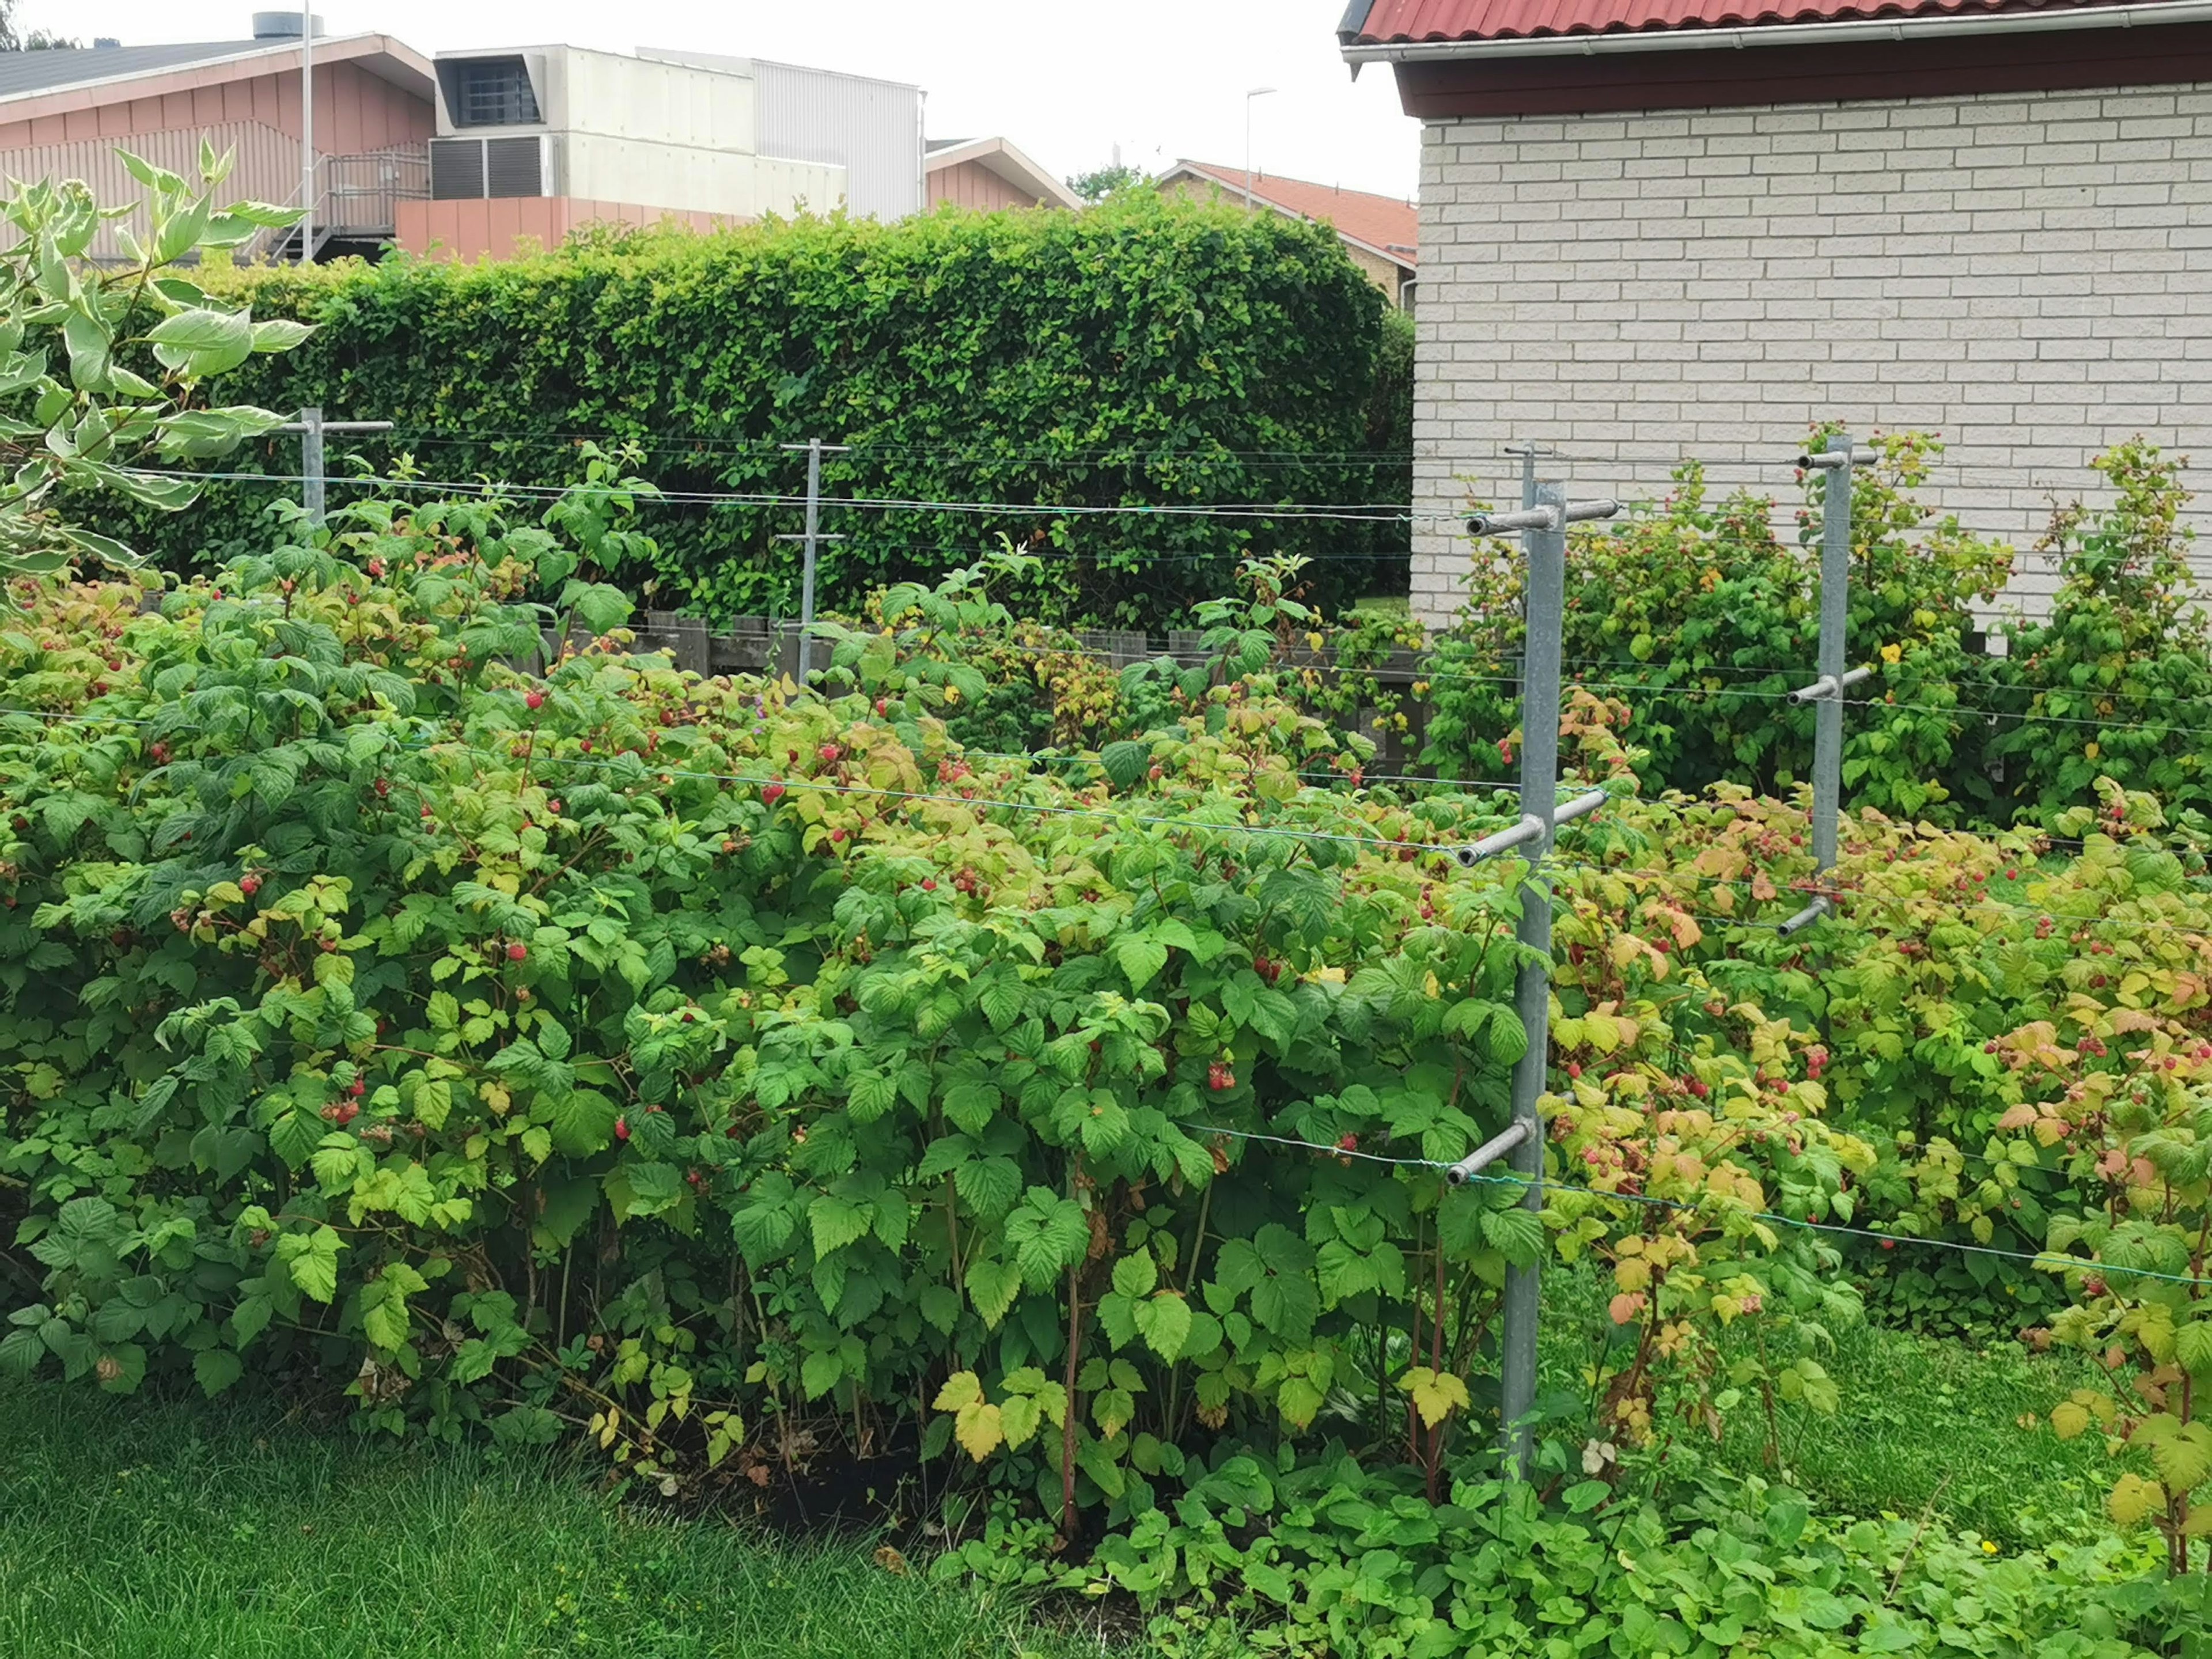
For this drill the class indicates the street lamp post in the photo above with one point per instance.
(307, 132)
(1256, 92)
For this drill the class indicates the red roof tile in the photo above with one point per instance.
(1381, 222)
(1392, 22)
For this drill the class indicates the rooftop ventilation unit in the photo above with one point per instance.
(281, 26)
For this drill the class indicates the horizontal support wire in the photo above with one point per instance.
(2049, 1261)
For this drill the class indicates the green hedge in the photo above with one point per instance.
(1149, 352)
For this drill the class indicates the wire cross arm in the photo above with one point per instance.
(1845, 456)
(1828, 686)
(1531, 827)
(1540, 518)
(1805, 918)
(1487, 1154)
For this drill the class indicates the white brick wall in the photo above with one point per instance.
(2029, 275)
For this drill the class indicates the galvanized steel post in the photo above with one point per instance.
(806, 582)
(815, 449)
(1826, 692)
(310, 462)
(314, 476)
(1547, 548)
(1835, 620)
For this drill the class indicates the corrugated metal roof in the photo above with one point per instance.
(69, 66)
(1396, 23)
(1383, 223)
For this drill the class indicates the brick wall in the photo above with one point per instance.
(2029, 275)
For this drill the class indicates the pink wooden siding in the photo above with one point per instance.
(972, 185)
(511, 225)
(255, 117)
(356, 111)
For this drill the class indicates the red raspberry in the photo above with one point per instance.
(622, 1128)
(771, 792)
(534, 700)
(516, 952)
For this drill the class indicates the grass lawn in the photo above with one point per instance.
(145, 1529)
(132, 1530)
(1925, 1420)
(1922, 1420)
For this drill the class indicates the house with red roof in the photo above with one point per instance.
(1653, 229)
(1381, 232)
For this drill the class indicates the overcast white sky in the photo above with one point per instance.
(1064, 80)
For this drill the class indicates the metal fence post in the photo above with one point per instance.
(815, 449)
(1835, 618)
(1544, 523)
(1840, 464)
(1540, 788)
(314, 474)
(311, 458)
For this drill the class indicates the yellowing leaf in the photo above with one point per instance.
(1435, 1394)
(2133, 1497)
(1632, 1275)
(960, 1390)
(2184, 1458)
(979, 1430)
(2069, 1420)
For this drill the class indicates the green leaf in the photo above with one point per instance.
(157, 179)
(836, 1223)
(277, 333)
(1048, 1235)
(993, 1286)
(312, 1258)
(1126, 763)
(582, 1121)
(1287, 1304)
(988, 1186)
(1001, 998)
(216, 339)
(1140, 958)
(1136, 1275)
(1164, 1322)
(21, 1353)
(765, 1226)
(2192, 1348)
(820, 1372)
(869, 1094)
(1299, 1401)
(91, 352)
(1517, 1233)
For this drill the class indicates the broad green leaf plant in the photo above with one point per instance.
(105, 369)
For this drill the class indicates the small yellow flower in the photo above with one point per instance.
(1988, 1548)
(1890, 653)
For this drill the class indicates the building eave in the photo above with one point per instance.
(376, 54)
(1260, 198)
(1003, 158)
(2152, 12)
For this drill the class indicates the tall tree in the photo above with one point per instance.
(1102, 182)
(37, 41)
